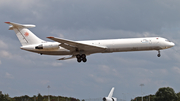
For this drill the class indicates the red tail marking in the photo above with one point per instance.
(7, 22)
(26, 34)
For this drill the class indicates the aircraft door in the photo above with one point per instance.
(156, 41)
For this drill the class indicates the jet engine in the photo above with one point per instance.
(109, 99)
(48, 46)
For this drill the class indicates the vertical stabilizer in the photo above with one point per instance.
(111, 93)
(25, 36)
(110, 98)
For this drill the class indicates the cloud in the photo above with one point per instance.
(108, 70)
(56, 64)
(176, 69)
(5, 54)
(44, 82)
(160, 83)
(98, 79)
(9, 76)
(3, 45)
(105, 69)
(13, 4)
(37, 14)
(57, 32)
(163, 71)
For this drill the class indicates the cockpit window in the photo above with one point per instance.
(167, 40)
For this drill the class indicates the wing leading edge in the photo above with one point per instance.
(77, 46)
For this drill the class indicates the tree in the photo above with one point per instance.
(34, 97)
(40, 98)
(6, 97)
(1, 97)
(165, 94)
(178, 94)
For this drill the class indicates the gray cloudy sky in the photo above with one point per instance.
(28, 73)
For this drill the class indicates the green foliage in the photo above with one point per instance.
(163, 94)
(39, 97)
(2, 97)
(166, 94)
(178, 94)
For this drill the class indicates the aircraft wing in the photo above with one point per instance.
(73, 45)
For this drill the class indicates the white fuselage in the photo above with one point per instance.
(111, 45)
(79, 49)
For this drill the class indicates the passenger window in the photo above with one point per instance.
(144, 41)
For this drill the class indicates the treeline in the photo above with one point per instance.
(163, 94)
(39, 97)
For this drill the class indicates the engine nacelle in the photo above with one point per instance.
(109, 99)
(48, 46)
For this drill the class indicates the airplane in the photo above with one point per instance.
(110, 98)
(80, 49)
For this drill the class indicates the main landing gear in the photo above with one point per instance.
(158, 53)
(81, 57)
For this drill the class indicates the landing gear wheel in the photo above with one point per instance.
(159, 55)
(84, 59)
(79, 60)
(83, 56)
(78, 56)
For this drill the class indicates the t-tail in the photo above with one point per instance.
(110, 98)
(25, 36)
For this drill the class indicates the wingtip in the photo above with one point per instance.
(50, 37)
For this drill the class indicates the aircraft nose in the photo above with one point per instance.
(172, 44)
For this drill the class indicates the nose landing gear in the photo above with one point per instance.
(158, 53)
(81, 57)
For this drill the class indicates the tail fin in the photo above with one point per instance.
(25, 36)
(111, 93)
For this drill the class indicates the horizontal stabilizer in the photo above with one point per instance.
(16, 25)
(66, 58)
